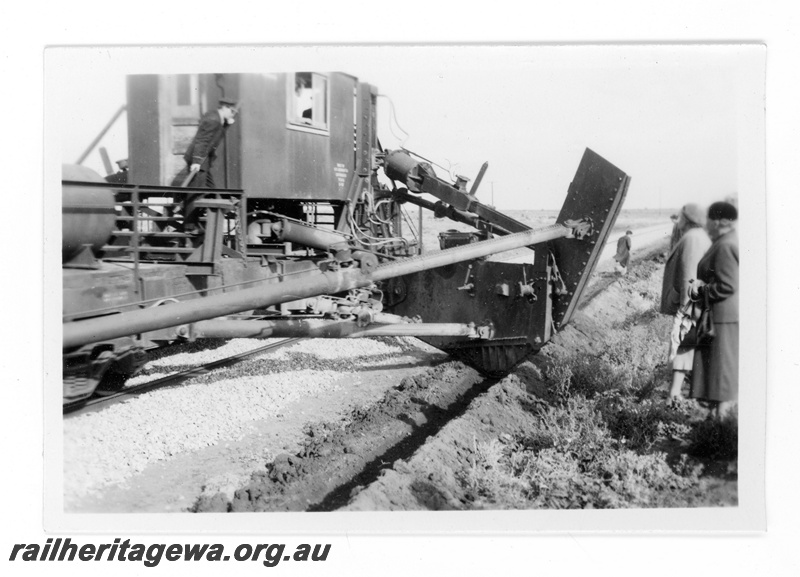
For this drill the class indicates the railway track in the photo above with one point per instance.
(337, 460)
(97, 403)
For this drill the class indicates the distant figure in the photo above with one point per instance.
(715, 372)
(676, 231)
(679, 270)
(121, 176)
(623, 255)
(304, 98)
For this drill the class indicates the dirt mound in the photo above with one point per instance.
(337, 458)
(438, 476)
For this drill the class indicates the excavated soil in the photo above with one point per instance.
(337, 461)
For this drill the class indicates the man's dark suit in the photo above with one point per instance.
(202, 150)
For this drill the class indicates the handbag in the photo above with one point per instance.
(702, 332)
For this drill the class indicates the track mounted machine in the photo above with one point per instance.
(301, 237)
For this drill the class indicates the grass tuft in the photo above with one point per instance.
(716, 439)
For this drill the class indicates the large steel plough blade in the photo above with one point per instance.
(524, 303)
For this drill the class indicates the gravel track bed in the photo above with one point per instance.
(108, 447)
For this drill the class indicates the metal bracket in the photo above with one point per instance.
(557, 283)
(468, 285)
(526, 289)
(581, 228)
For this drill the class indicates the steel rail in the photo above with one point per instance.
(101, 402)
(318, 328)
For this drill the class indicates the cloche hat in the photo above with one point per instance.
(694, 213)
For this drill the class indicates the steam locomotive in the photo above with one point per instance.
(302, 236)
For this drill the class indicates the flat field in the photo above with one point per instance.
(634, 220)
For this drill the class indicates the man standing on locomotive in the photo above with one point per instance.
(200, 155)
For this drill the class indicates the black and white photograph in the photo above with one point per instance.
(481, 278)
(400, 289)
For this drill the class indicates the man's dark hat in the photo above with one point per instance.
(224, 101)
(722, 210)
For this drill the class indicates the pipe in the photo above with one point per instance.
(470, 251)
(441, 210)
(171, 315)
(288, 231)
(104, 328)
(401, 166)
(319, 328)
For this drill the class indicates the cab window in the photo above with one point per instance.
(308, 101)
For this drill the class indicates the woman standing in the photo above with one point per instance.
(681, 267)
(715, 372)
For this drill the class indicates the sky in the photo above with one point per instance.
(686, 122)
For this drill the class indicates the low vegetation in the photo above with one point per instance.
(606, 437)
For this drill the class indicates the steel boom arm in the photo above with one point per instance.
(83, 332)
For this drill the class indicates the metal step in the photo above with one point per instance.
(175, 234)
(141, 218)
(150, 249)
